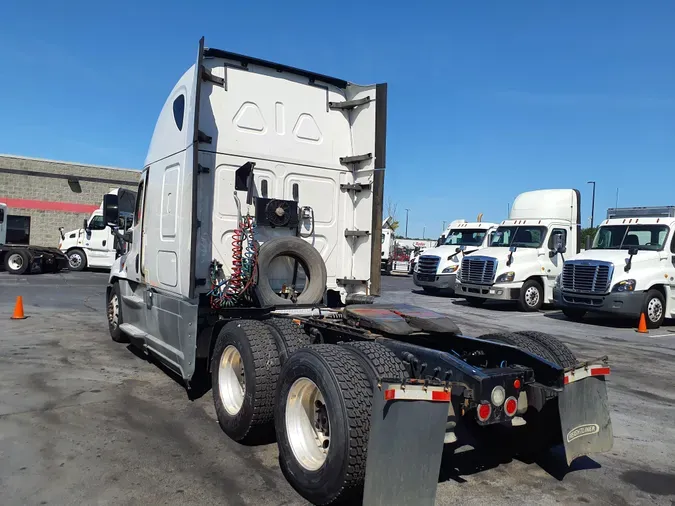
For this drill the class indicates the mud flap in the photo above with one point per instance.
(584, 418)
(405, 446)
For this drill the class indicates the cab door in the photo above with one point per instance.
(97, 241)
(132, 286)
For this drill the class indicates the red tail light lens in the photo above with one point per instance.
(516, 383)
(484, 411)
(510, 406)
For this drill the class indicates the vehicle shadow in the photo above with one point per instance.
(456, 465)
(441, 294)
(198, 387)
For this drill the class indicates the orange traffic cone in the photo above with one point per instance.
(642, 326)
(18, 309)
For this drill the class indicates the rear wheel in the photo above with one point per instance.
(323, 408)
(244, 372)
(379, 361)
(475, 301)
(288, 335)
(114, 311)
(562, 354)
(574, 314)
(654, 309)
(522, 342)
(17, 261)
(531, 296)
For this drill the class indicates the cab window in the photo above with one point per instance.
(139, 204)
(97, 223)
(557, 231)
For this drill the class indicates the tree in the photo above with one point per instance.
(391, 212)
(587, 234)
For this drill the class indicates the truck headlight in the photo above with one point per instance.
(627, 285)
(451, 269)
(507, 277)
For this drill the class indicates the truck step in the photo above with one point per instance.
(132, 331)
(133, 301)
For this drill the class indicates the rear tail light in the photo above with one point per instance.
(510, 406)
(484, 411)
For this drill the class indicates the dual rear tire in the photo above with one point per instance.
(317, 405)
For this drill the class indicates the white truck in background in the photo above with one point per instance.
(526, 252)
(24, 258)
(436, 269)
(388, 245)
(629, 270)
(93, 245)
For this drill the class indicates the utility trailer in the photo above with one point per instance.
(25, 259)
(254, 162)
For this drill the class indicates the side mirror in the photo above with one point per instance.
(633, 250)
(111, 210)
(85, 225)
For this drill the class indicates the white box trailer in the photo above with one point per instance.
(252, 162)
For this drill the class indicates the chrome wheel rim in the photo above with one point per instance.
(231, 380)
(307, 424)
(654, 310)
(15, 261)
(114, 311)
(75, 260)
(532, 296)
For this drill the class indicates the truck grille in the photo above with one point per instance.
(427, 264)
(586, 276)
(479, 270)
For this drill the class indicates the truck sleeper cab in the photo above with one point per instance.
(629, 270)
(526, 252)
(436, 269)
(274, 153)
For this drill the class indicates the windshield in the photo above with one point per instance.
(465, 237)
(521, 237)
(650, 237)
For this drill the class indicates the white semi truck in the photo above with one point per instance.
(253, 162)
(388, 244)
(526, 252)
(629, 270)
(436, 269)
(93, 245)
(26, 259)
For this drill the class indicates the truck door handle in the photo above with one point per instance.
(136, 263)
(104, 242)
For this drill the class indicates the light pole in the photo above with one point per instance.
(424, 232)
(443, 229)
(592, 203)
(406, 222)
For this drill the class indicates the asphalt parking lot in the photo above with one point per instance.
(84, 420)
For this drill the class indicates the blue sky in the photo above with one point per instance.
(486, 99)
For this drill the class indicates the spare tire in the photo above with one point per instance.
(306, 255)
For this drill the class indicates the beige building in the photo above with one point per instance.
(43, 195)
